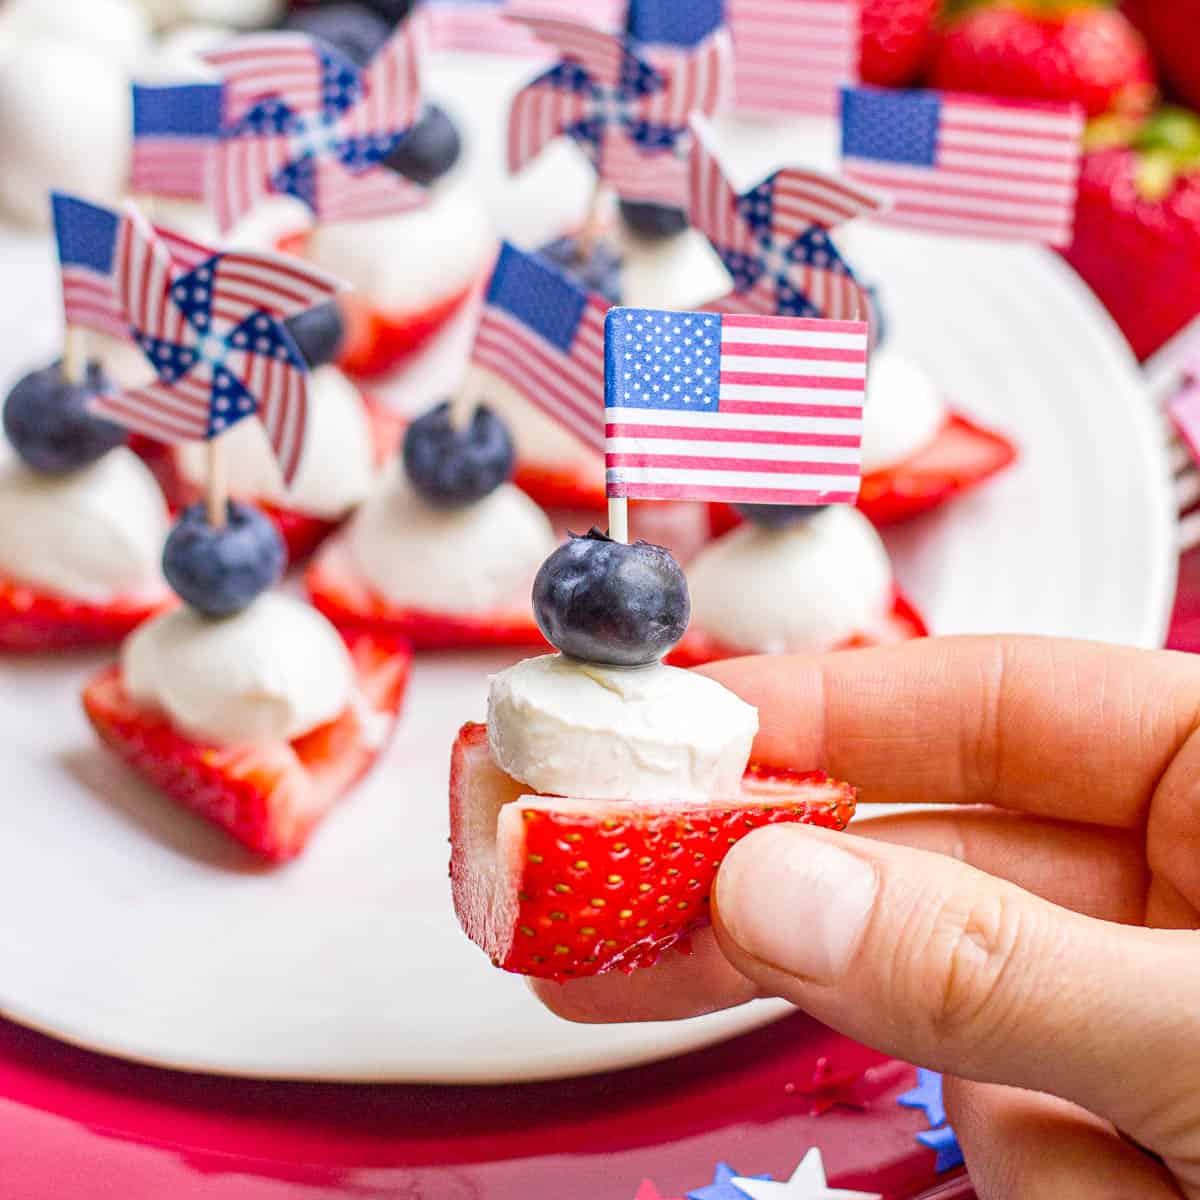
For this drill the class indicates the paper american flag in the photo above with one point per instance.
(479, 25)
(792, 56)
(964, 164)
(176, 129)
(543, 334)
(746, 409)
(87, 245)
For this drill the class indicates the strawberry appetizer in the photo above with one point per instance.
(794, 580)
(244, 705)
(589, 816)
(444, 239)
(350, 437)
(441, 553)
(82, 520)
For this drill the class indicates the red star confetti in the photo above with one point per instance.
(648, 1191)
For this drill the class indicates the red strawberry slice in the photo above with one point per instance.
(268, 797)
(569, 485)
(903, 624)
(302, 532)
(560, 888)
(962, 456)
(33, 619)
(338, 591)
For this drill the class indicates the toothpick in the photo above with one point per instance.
(216, 493)
(74, 360)
(594, 223)
(618, 519)
(468, 397)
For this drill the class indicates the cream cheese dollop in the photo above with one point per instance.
(804, 589)
(95, 534)
(470, 560)
(414, 259)
(337, 468)
(271, 673)
(568, 728)
(64, 124)
(903, 413)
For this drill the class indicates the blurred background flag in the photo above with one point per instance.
(967, 164)
(544, 335)
(479, 25)
(175, 130)
(87, 244)
(773, 239)
(748, 409)
(629, 116)
(793, 56)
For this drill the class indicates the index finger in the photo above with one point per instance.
(1073, 730)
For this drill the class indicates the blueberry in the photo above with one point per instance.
(392, 11)
(47, 421)
(779, 516)
(600, 272)
(351, 28)
(318, 333)
(429, 149)
(450, 467)
(653, 221)
(219, 572)
(605, 602)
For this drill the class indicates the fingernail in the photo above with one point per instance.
(795, 902)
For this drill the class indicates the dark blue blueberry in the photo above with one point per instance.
(219, 572)
(351, 28)
(779, 516)
(655, 222)
(318, 333)
(451, 467)
(429, 149)
(47, 421)
(392, 11)
(600, 271)
(606, 602)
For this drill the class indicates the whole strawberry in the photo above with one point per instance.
(1137, 227)
(1172, 27)
(1048, 50)
(897, 39)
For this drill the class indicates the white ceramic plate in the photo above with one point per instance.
(132, 928)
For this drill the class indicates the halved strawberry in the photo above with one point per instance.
(268, 797)
(570, 485)
(302, 532)
(379, 339)
(962, 456)
(903, 624)
(338, 591)
(560, 888)
(33, 619)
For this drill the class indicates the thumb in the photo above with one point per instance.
(933, 961)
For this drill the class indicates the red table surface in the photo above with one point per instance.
(79, 1125)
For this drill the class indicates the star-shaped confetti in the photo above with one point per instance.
(808, 1182)
(722, 1186)
(927, 1096)
(944, 1143)
(829, 1089)
(648, 1191)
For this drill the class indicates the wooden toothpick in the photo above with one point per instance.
(216, 492)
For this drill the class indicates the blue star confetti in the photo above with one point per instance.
(944, 1143)
(722, 1187)
(927, 1095)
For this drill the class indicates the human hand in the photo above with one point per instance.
(1041, 945)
